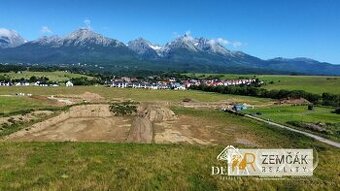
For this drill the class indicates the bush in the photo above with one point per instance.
(310, 107)
(337, 110)
(83, 81)
(186, 100)
(124, 108)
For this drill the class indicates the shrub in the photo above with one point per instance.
(337, 110)
(186, 100)
(124, 108)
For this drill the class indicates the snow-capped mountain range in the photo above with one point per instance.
(183, 53)
(85, 37)
(80, 38)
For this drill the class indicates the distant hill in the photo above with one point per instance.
(185, 53)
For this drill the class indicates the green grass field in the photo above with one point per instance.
(284, 114)
(136, 94)
(15, 104)
(105, 166)
(52, 76)
(312, 84)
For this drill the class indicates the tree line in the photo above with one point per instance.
(324, 99)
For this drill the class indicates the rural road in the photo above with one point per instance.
(321, 139)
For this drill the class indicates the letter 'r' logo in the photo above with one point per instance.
(236, 160)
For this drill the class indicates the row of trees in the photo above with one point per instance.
(76, 81)
(5, 78)
(331, 100)
(324, 99)
(84, 81)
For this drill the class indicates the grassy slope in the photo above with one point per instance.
(53, 76)
(89, 166)
(20, 103)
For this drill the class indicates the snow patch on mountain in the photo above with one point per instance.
(144, 48)
(52, 41)
(10, 38)
(85, 37)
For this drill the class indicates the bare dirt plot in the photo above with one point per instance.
(80, 123)
(113, 129)
(293, 101)
(88, 97)
(211, 105)
(153, 123)
(199, 129)
(184, 130)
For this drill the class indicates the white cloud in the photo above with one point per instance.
(45, 30)
(87, 23)
(225, 42)
(237, 44)
(175, 34)
(221, 41)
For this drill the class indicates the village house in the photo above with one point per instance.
(172, 83)
(69, 84)
(239, 107)
(5, 84)
(22, 84)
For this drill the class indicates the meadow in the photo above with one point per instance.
(312, 84)
(287, 114)
(135, 94)
(17, 104)
(105, 166)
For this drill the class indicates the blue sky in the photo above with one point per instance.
(263, 28)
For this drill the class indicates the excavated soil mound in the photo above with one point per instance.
(147, 114)
(300, 101)
(97, 110)
(91, 97)
(157, 113)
